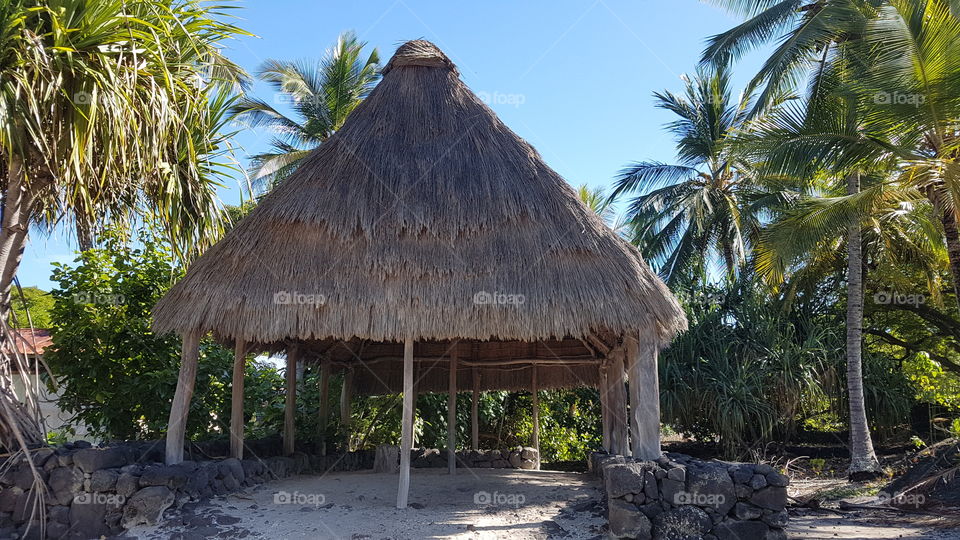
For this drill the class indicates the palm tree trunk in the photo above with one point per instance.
(948, 217)
(17, 202)
(863, 460)
(18, 427)
(84, 236)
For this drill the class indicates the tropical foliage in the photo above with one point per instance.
(708, 207)
(321, 95)
(32, 306)
(111, 110)
(103, 347)
(809, 225)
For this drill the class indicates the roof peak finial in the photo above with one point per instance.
(419, 52)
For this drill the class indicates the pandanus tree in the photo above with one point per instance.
(321, 94)
(110, 111)
(707, 206)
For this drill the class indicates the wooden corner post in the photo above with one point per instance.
(642, 350)
(474, 411)
(346, 403)
(180, 408)
(604, 388)
(535, 439)
(617, 399)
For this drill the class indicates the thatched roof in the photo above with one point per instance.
(423, 205)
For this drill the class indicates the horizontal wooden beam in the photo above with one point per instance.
(578, 360)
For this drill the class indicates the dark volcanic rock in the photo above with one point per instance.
(741, 530)
(683, 523)
(94, 459)
(171, 476)
(626, 521)
(103, 480)
(771, 497)
(147, 505)
(623, 479)
(64, 483)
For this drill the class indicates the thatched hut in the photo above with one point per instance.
(425, 237)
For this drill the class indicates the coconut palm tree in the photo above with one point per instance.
(853, 220)
(801, 141)
(912, 86)
(706, 207)
(909, 78)
(321, 95)
(803, 30)
(901, 113)
(597, 202)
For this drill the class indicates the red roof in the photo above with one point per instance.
(29, 341)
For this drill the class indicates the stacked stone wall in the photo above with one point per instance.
(678, 496)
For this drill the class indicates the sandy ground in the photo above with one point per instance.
(477, 504)
(830, 523)
(868, 525)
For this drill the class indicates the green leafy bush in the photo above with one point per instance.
(117, 376)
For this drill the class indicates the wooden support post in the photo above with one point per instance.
(324, 410)
(289, 429)
(180, 408)
(474, 408)
(633, 391)
(236, 400)
(644, 395)
(346, 404)
(603, 389)
(619, 436)
(452, 414)
(536, 410)
(416, 394)
(406, 430)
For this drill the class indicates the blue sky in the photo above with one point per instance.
(573, 77)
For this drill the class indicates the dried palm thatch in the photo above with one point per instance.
(424, 217)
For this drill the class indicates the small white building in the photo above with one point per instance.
(31, 343)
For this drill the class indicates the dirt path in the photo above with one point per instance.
(478, 504)
(867, 525)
